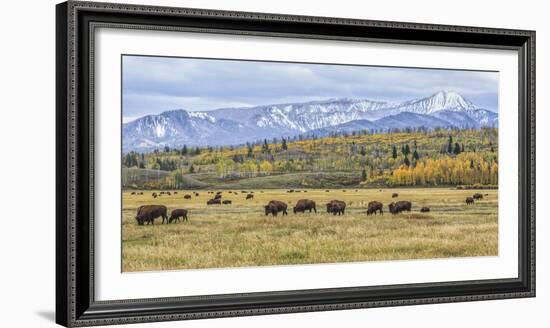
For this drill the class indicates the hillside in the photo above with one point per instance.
(440, 157)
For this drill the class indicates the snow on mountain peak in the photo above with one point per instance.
(442, 100)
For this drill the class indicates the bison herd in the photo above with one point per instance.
(147, 214)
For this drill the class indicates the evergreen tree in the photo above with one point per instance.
(450, 145)
(456, 151)
(406, 161)
(184, 150)
(364, 175)
(394, 152)
(415, 155)
(462, 148)
(407, 150)
(250, 150)
(363, 151)
(191, 169)
(284, 145)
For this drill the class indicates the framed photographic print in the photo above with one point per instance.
(214, 163)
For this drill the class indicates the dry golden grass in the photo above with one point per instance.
(241, 235)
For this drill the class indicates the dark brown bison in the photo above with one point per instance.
(469, 200)
(227, 202)
(141, 192)
(249, 196)
(274, 207)
(304, 205)
(187, 196)
(218, 196)
(478, 196)
(148, 213)
(394, 195)
(213, 202)
(374, 207)
(177, 214)
(154, 195)
(327, 190)
(400, 206)
(133, 193)
(175, 192)
(168, 193)
(425, 209)
(162, 193)
(336, 207)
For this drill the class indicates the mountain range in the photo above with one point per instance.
(235, 126)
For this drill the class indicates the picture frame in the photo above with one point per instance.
(77, 22)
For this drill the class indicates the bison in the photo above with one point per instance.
(425, 209)
(400, 206)
(478, 196)
(304, 205)
(213, 201)
(187, 196)
(394, 195)
(148, 213)
(249, 196)
(154, 195)
(336, 207)
(469, 200)
(218, 196)
(227, 202)
(133, 193)
(177, 214)
(168, 193)
(274, 207)
(374, 207)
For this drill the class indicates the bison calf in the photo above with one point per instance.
(425, 209)
(177, 214)
(374, 207)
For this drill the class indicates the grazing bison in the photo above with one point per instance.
(187, 196)
(133, 193)
(394, 195)
(400, 206)
(168, 193)
(177, 214)
(249, 196)
(304, 205)
(175, 192)
(226, 202)
(154, 195)
(478, 196)
(213, 202)
(274, 207)
(425, 209)
(469, 200)
(148, 213)
(374, 207)
(327, 190)
(336, 207)
(218, 196)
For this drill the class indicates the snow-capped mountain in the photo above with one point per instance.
(229, 126)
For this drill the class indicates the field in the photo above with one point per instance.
(241, 235)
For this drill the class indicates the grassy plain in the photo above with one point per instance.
(241, 235)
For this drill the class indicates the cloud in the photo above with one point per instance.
(156, 84)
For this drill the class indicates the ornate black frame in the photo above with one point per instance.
(75, 303)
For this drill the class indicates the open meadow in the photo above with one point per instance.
(240, 234)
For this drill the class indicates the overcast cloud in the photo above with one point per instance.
(152, 85)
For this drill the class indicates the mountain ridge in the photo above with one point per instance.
(228, 126)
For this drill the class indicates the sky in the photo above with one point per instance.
(152, 85)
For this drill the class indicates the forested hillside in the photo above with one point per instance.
(410, 158)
